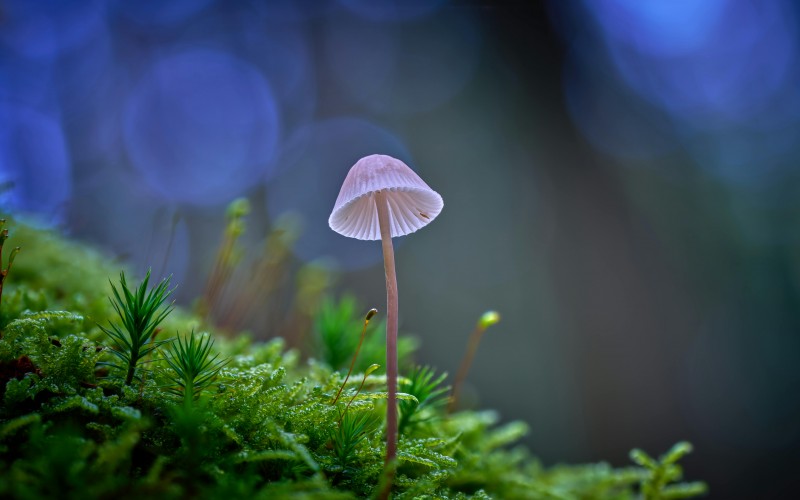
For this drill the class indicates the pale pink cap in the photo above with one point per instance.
(412, 203)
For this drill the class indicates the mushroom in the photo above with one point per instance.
(382, 198)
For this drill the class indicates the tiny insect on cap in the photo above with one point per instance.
(412, 203)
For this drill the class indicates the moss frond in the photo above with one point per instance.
(427, 389)
(139, 312)
(193, 366)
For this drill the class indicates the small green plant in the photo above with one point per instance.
(193, 367)
(660, 473)
(423, 384)
(140, 313)
(12, 255)
(353, 428)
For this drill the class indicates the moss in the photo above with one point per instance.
(266, 427)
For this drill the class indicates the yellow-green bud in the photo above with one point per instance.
(488, 319)
(238, 208)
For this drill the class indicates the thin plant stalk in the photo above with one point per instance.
(372, 312)
(391, 326)
(227, 256)
(145, 360)
(14, 252)
(220, 271)
(488, 319)
(367, 373)
(265, 277)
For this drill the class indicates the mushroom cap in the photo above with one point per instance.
(412, 203)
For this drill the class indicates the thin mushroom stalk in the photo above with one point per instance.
(382, 198)
(392, 306)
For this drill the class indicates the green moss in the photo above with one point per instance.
(265, 426)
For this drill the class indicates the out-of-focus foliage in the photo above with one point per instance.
(665, 470)
(337, 328)
(264, 428)
(261, 289)
(426, 387)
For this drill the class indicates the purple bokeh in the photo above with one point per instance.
(201, 127)
(656, 27)
(46, 28)
(34, 163)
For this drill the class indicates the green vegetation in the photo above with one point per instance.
(429, 397)
(14, 252)
(92, 406)
(140, 312)
(193, 367)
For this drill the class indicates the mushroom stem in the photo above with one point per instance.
(382, 204)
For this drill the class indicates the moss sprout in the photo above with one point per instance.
(193, 367)
(426, 387)
(139, 312)
(486, 320)
(369, 316)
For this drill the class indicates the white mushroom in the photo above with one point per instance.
(381, 198)
(412, 203)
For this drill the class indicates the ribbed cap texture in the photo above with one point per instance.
(412, 203)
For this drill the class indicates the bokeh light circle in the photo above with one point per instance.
(283, 53)
(79, 73)
(713, 79)
(201, 127)
(610, 117)
(755, 154)
(731, 75)
(45, 28)
(35, 168)
(313, 167)
(659, 28)
(25, 80)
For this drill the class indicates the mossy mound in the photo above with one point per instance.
(267, 427)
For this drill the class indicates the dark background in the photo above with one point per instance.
(619, 177)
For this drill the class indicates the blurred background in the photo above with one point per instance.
(619, 177)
